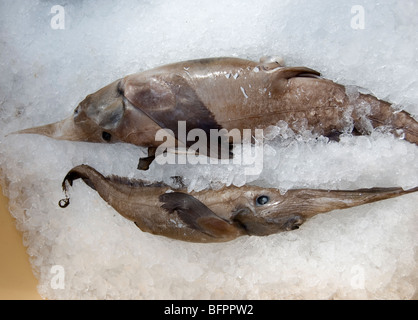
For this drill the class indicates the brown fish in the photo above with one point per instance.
(224, 93)
(218, 215)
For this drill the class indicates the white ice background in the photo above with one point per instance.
(364, 252)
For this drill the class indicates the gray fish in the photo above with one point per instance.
(218, 215)
(218, 93)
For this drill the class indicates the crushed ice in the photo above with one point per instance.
(364, 252)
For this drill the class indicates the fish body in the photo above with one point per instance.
(223, 93)
(219, 215)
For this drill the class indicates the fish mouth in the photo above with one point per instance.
(242, 214)
(241, 211)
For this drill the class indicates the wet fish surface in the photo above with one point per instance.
(223, 93)
(218, 215)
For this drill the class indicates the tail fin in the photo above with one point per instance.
(381, 113)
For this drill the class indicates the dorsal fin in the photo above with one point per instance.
(279, 84)
(136, 182)
(291, 72)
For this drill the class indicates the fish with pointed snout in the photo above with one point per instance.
(218, 215)
(222, 93)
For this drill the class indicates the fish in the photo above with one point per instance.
(217, 215)
(222, 93)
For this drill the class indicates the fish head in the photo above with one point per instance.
(262, 211)
(265, 211)
(97, 118)
(105, 116)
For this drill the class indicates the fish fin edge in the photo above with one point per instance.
(196, 215)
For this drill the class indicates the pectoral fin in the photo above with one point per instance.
(168, 100)
(197, 215)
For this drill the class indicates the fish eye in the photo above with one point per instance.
(262, 200)
(106, 136)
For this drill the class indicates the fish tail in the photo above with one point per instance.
(408, 125)
(371, 112)
(89, 175)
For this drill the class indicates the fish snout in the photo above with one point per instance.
(61, 130)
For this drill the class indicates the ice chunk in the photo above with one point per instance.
(365, 252)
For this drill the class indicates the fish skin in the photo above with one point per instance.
(229, 93)
(218, 215)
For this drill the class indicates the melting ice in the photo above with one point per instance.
(364, 252)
